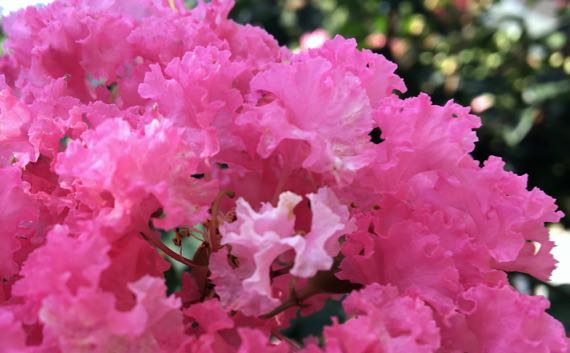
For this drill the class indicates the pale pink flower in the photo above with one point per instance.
(257, 239)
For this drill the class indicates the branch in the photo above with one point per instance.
(293, 300)
(213, 239)
(167, 251)
(323, 282)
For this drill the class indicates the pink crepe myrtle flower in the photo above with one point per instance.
(139, 133)
(269, 234)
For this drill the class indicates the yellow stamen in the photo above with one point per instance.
(172, 5)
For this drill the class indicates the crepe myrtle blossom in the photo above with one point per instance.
(134, 130)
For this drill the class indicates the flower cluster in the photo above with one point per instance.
(297, 177)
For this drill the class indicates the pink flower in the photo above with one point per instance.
(268, 234)
(380, 320)
(15, 148)
(89, 321)
(137, 133)
(520, 319)
(200, 92)
(330, 220)
(19, 221)
(62, 266)
(104, 168)
(12, 334)
(327, 110)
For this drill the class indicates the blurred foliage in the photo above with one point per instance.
(509, 60)
(302, 327)
(559, 305)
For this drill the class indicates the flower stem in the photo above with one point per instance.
(167, 251)
(213, 239)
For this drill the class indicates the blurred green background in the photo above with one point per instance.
(509, 60)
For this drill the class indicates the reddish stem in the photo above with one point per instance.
(167, 251)
(293, 300)
(213, 239)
